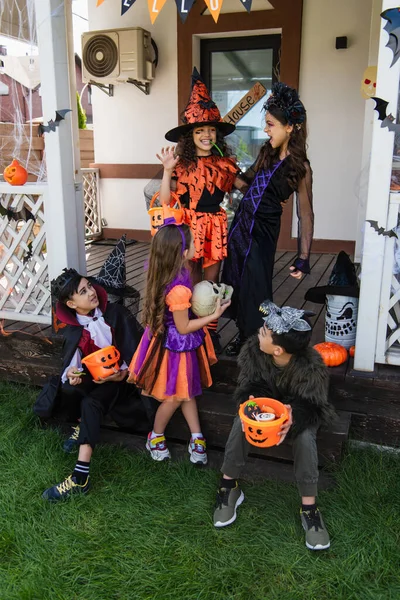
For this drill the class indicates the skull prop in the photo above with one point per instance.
(206, 294)
(368, 84)
(341, 320)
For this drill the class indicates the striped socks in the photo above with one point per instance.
(81, 471)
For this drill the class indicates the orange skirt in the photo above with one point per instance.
(210, 235)
(167, 375)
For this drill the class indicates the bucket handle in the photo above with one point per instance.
(174, 199)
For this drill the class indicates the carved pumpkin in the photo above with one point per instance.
(332, 354)
(264, 431)
(103, 362)
(352, 351)
(15, 174)
(158, 214)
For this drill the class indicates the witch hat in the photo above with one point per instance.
(112, 276)
(342, 281)
(200, 110)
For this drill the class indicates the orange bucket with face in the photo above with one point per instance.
(158, 214)
(262, 431)
(103, 362)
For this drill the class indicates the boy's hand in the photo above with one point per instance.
(168, 158)
(220, 308)
(118, 376)
(286, 426)
(73, 377)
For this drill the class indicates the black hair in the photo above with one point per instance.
(66, 285)
(293, 342)
(186, 148)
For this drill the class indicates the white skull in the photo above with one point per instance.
(206, 294)
(341, 320)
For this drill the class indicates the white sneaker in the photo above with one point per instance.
(197, 451)
(157, 448)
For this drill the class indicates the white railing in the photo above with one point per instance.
(24, 280)
(91, 198)
(388, 339)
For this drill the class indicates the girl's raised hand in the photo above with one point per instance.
(168, 158)
(220, 308)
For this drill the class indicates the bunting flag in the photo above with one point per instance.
(247, 4)
(214, 6)
(184, 7)
(99, 2)
(125, 6)
(155, 7)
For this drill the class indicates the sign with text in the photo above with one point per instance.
(246, 103)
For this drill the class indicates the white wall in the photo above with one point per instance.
(330, 89)
(130, 126)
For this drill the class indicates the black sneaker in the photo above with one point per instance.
(235, 346)
(227, 502)
(317, 537)
(66, 488)
(216, 340)
(71, 443)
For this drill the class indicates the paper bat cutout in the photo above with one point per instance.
(28, 254)
(381, 230)
(22, 215)
(392, 16)
(387, 119)
(51, 125)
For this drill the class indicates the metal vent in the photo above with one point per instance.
(100, 56)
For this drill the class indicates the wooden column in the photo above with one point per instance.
(377, 208)
(64, 213)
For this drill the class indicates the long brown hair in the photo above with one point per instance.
(165, 263)
(297, 148)
(186, 148)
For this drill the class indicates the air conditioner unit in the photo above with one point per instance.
(117, 56)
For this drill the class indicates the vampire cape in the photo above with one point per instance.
(126, 333)
(303, 384)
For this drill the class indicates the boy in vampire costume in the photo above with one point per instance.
(91, 323)
(278, 363)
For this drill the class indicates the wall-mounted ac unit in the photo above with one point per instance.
(116, 56)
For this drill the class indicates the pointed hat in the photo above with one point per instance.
(342, 281)
(200, 110)
(112, 274)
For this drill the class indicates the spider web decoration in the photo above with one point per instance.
(113, 272)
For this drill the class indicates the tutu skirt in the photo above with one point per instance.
(210, 235)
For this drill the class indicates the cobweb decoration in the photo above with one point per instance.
(20, 105)
(113, 272)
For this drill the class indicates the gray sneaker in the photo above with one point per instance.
(317, 537)
(227, 502)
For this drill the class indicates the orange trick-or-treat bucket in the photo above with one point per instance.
(262, 419)
(103, 362)
(158, 214)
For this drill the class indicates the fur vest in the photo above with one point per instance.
(303, 384)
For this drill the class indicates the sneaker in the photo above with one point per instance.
(235, 346)
(65, 489)
(158, 448)
(317, 537)
(72, 442)
(227, 502)
(197, 451)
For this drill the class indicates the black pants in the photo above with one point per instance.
(304, 453)
(91, 402)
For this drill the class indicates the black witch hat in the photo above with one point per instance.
(342, 281)
(112, 276)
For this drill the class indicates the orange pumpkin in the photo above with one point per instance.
(352, 351)
(103, 362)
(263, 433)
(158, 214)
(332, 354)
(15, 174)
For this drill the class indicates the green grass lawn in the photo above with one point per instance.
(145, 530)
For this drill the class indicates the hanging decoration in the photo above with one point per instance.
(155, 7)
(368, 83)
(99, 2)
(51, 125)
(247, 4)
(387, 119)
(392, 16)
(214, 6)
(184, 7)
(125, 5)
(381, 230)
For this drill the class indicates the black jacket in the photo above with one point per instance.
(303, 384)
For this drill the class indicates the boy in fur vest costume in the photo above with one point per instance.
(278, 363)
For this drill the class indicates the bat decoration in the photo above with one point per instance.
(381, 230)
(51, 125)
(392, 16)
(28, 255)
(22, 215)
(387, 119)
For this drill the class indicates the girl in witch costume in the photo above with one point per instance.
(200, 171)
(173, 359)
(281, 169)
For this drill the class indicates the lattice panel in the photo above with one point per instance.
(93, 227)
(24, 285)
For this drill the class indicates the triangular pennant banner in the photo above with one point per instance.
(99, 2)
(155, 7)
(247, 4)
(125, 5)
(214, 6)
(184, 7)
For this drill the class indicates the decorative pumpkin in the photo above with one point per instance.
(332, 354)
(352, 351)
(264, 431)
(103, 362)
(206, 294)
(158, 214)
(15, 174)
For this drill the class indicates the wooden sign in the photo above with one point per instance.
(246, 103)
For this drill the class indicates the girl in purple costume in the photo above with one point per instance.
(172, 362)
